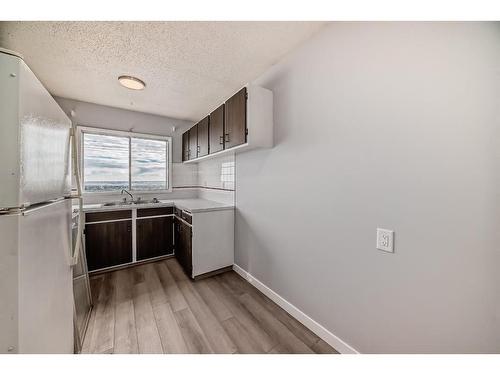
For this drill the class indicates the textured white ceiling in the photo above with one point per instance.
(189, 67)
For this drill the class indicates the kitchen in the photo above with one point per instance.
(148, 211)
(311, 188)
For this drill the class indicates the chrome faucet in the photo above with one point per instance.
(131, 196)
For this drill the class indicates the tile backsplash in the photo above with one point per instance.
(227, 175)
(216, 179)
(217, 173)
(184, 175)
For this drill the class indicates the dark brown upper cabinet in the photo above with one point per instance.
(235, 132)
(185, 146)
(193, 142)
(216, 133)
(203, 132)
(244, 122)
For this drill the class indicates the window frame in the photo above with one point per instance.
(81, 130)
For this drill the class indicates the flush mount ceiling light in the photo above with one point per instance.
(132, 83)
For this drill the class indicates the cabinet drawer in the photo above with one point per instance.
(143, 212)
(187, 217)
(91, 217)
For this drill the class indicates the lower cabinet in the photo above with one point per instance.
(154, 237)
(183, 246)
(108, 244)
(110, 240)
(203, 242)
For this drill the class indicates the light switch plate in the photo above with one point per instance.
(385, 240)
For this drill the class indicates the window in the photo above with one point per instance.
(105, 162)
(149, 164)
(114, 160)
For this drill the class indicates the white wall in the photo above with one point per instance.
(100, 116)
(392, 125)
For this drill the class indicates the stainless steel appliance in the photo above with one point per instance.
(36, 254)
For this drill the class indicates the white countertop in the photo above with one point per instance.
(199, 205)
(193, 205)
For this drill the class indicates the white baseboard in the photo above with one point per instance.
(334, 341)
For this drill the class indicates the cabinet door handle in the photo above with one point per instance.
(227, 137)
(221, 142)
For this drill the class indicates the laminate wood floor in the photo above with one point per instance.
(156, 308)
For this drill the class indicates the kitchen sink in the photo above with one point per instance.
(145, 201)
(108, 204)
(149, 201)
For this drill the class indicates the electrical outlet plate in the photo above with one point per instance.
(385, 240)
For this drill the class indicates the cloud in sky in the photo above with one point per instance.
(106, 158)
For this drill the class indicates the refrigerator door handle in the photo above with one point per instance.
(74, 259)
(78, 244)
(76, 172)
(28, 211)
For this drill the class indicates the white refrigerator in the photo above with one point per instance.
(36, 277)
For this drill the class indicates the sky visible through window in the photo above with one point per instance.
(149, 164)
(106, 163)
